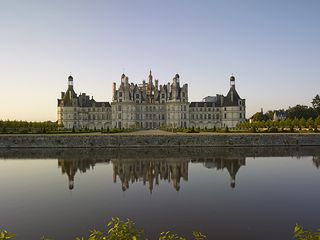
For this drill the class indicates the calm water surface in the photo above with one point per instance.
(225, 193)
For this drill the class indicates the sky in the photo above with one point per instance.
(271, 47)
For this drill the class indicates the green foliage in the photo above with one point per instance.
(198, 235)
(4, 235)
(273, 130)
(116, 229)
(24, 127)
(117, 130)
(192, 130)
(301, 111)
(316, 103)
(258, 116)
(302, 234)
(170, 236)
(126, 230)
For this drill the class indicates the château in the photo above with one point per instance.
(149, 105)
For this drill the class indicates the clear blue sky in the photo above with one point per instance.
(272, 48)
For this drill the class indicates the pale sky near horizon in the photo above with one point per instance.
(272, 48)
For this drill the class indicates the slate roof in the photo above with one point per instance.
(228, 101)
(202, 104)
(82, 100)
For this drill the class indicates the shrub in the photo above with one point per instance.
(302, 234)
(273, 130)
(4, 235)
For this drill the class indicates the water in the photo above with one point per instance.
(227, 193)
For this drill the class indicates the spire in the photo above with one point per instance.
(150, 76)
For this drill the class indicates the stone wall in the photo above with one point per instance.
(178, 140)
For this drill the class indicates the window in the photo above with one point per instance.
(183, 94)
(225, 115)
(120, 94)
(162, 95)
(240, 115)
(137, 95)
(119, 108)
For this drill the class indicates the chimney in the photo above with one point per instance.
(114, 96)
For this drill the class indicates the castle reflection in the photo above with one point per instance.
(316, 161)
(71, 167)
(151, 171)
(153, 166)
(231, 164)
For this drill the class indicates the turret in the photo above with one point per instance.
(232, 82)
(123, 77)
(70, 82)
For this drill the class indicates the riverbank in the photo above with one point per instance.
(147, 139)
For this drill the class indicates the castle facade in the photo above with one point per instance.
(150, 105)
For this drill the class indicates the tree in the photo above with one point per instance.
(310, 122)
(301, 111)
(302, 123)
(317, 121)
(316, 103)
(258, 116)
